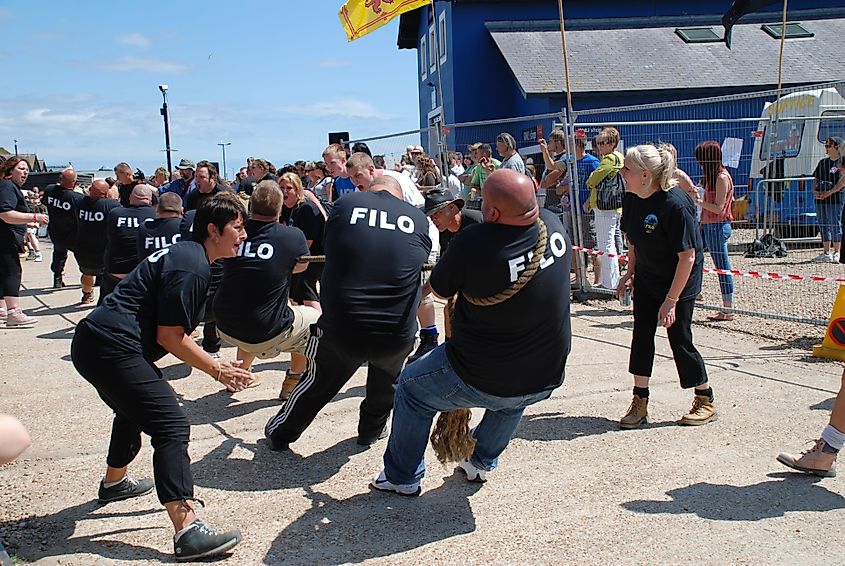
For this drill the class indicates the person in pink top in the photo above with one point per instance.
(716, 216)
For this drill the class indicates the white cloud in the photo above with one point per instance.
(344, 108)
(333, 63)
(46, 116)
(150, 65)
(135, 40)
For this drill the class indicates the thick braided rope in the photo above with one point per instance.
(524, 277)
(451, 438)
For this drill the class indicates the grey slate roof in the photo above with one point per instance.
(657, 59)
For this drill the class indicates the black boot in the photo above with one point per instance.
(428, 342)
(58, 282)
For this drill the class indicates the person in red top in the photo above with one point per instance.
(716, 216)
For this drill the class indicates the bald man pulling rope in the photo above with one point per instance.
(510, 333)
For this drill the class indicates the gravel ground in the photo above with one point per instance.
(571, 488)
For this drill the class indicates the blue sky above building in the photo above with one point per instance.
(272, 78)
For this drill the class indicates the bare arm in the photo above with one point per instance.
(627, 280)
(723, 186)
(174, 340)
(686, 261)
(15, 217)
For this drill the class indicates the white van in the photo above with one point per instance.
(807, 119)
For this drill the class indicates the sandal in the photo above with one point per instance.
(720, 317)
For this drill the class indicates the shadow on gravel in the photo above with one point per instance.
(61, 334)
(269, 470)
(797, 492)
(374, 525)
(611, 326)
(221, 406)
(826, 405)
(597, 313)
(271, 366)
(37, 537)
(554, 426)
(176, 371)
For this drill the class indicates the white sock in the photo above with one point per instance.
(108, 484)
(833, 437)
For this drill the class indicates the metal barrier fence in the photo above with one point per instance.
(770, 155)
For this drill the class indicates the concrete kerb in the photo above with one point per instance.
(571, 488)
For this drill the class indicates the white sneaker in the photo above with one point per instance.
(17, 319)
(473, 474)
(381, 483)
(38, 257)
(823, 257)
(834, 257)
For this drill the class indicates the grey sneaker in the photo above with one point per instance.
(200, 540)
(126, 489)
(381, 483)
(17, 319)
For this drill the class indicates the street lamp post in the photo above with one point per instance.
(16, 148)
(223, 147)
(166, 116)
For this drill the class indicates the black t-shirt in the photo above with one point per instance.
(122, 227)
(468, 218)
(169, 288)
(11, 198)
(827, 175)
(660, 227)
(308, 218)
(63, 208)
(124, 191)
(248, 184)
(251, 303)
(196, 198)
(91, 230)
(187, 226)
(375, 248)
(519, 346)
(156, 234)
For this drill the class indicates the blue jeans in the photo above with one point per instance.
(430, 385)
(829, 217)
(715, 238)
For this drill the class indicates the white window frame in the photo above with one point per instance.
(441, 27)
(423, 57)
(432, 50)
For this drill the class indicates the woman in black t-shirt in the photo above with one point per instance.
(15, 215)
(152, 312)
(828, 194)
(301, 212)
(665, 264)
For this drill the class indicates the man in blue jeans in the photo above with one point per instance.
(503, 356)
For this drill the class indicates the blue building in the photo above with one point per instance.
(503, 59)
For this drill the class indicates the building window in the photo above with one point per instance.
(441, 21)
(793, 31)
(698, 35)
(423, 55)
(432, 50)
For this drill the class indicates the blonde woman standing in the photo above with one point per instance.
(665, 262)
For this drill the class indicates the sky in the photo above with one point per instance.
(271, 78)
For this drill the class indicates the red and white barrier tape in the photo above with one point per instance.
(736, 272)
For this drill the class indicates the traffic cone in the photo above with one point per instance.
(833, 345)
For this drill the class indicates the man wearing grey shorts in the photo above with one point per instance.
(252, 304)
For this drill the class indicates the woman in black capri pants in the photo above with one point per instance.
(665, 262)
(152, 312)
(15, 214)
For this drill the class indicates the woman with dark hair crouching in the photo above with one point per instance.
(152, 312)
(665, 264)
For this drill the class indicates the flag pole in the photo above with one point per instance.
(775, 122)
(442, 147)
(572, 165)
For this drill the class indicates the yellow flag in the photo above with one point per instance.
(360, 17)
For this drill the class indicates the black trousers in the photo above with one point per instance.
(142, 401)
(107, 285)
(210, 338)
(57, 265)
(688, 361)
(10, 274)
(332, 360)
